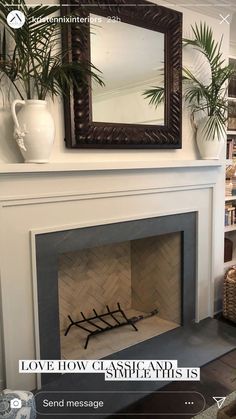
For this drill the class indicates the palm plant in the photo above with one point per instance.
(206, 99)
(32, 58)
(209, 99)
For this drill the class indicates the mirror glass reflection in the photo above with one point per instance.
(131, 60)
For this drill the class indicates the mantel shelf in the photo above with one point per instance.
(104, 165)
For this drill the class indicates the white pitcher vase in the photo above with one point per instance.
(209, 148)
(34, 130)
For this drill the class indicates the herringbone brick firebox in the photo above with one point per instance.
(142, 275)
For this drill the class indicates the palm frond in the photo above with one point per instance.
(214, 128)
(37, 62)
(156, 95)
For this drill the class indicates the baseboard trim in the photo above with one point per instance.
(217, 313)
(218, 306)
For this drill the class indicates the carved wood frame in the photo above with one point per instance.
(80, 130)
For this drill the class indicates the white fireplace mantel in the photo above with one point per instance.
(61, 196)
(104, 165)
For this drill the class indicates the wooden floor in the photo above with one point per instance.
(218, 378)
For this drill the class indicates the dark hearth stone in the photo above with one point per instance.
(192, 346)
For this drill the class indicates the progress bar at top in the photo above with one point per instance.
(84, 4)
(171, 4)
(129, 5)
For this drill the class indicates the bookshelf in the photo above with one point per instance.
(230, 198)
(230, 228)
(230, 182)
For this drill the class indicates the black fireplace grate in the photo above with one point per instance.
(104, 318)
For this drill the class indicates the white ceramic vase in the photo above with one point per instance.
(209, 148)
(34, 130)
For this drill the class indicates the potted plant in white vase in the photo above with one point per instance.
(205, 96)
(208, 100)
(37, 67)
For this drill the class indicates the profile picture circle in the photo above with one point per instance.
(15, 19)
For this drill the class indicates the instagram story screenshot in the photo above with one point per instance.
(117, 209)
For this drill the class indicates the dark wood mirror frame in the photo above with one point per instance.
(80, 130)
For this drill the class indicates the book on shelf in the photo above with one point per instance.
(231, 116)
(231, 148)
(233, 186)
(232, 80)
(230, 214)
(228, 187)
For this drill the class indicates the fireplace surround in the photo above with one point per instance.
(50, 245)
(60, 197)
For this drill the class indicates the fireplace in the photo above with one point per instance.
(45, 210)
(145, 265)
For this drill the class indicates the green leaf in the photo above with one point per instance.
(37, 63)
(156, 95)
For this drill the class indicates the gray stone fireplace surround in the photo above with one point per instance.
(50, 245)
(191, 344)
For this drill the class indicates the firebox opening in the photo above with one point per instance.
(144, 276)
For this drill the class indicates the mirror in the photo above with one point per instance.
(126, 75)
(138, 49)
